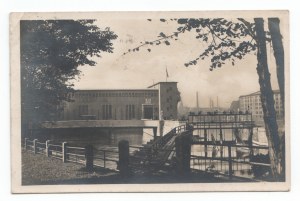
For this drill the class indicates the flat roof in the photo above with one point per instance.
(258, 92)
(160, 83)
(99, 90)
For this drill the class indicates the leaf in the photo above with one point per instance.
(162, 34)
(182, 21)
(167, 42)
(149, 50)
(149, 20)
(162, 20)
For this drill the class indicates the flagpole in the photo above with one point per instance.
(166, 74)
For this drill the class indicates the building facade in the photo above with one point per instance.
(252, 103)
(158, 101)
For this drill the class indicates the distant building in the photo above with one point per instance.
(158, 101)
(252, 103)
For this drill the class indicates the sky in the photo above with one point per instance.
(143, 68)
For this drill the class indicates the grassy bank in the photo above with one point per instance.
(39, 169)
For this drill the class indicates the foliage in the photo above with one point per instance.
(227, 39)
(51, 52)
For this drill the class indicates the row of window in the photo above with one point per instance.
(116, 94)
(107, 111)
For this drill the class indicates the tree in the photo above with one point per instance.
(273, 24)
(51, 52)
(231, 40)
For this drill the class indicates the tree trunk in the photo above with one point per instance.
(267, 98)
(276, 38)
(278, 54)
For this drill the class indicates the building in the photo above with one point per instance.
(252, 103)
(158, 101)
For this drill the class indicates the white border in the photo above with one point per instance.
(76, 5)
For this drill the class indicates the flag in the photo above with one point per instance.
(167, 74)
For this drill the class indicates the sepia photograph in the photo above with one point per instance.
(150, 101)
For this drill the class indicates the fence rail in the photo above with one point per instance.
(80, 155)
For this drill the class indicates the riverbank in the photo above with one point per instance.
(41, 170)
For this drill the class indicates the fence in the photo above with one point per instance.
(88, 156)
(229, 159)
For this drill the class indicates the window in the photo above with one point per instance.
(130, 112)
(106, 111)
(83, 110)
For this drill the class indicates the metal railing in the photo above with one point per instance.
(106, 158)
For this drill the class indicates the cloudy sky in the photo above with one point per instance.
(143, 68)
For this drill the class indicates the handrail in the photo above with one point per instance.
(54, 145)
(80, 148)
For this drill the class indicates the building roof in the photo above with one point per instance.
(161, 83)
(258, 93)
(98, 90)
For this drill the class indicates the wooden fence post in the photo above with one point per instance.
(123, 164)
(47, 148)
(183, 154)
(104, 159)
(229, 162)
(89, 158)
(64, 152)
(35, 146)
(25, 144)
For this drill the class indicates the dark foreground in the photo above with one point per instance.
(40, 170)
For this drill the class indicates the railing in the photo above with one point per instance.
(55, 151)
(96, 157)
(158, 152)
(106, 158)
(76, 154)
(160, 142)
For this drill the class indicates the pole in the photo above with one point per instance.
(229, 162)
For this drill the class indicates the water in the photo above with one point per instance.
(238, 155)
